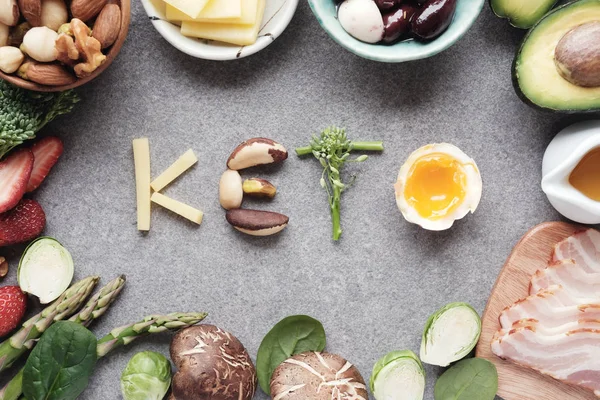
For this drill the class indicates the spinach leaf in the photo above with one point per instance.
(61, 363)
(292, 335)
(471, 379)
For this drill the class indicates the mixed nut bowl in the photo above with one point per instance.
(48, 46)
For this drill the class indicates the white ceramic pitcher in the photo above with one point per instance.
(562, 156)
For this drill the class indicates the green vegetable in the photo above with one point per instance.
(146, 377)
(24, 339)
(121, 337)
(24, 113)
(45, 269)
(333, 149)
(398, 376)
(95, 308)
(61, 364)
(292, 335)
(450, 334)
(471, 379)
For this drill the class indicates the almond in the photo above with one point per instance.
(46, 74)
(257, 223)
(32, 11)
(86, 9)
(108, 25)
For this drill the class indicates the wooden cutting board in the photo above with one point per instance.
(529, 255)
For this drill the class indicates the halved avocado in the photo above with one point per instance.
(522, 13)
(535, 76)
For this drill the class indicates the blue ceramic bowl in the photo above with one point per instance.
(466, 13)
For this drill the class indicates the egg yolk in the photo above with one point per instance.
(435, 185)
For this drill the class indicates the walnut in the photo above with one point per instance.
(78, 49)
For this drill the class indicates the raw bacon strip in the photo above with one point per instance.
(571, 357)
(532, 324)
(552, 307)
(583, 248)
(571, 276)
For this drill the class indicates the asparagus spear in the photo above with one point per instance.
(120, 337)
(94, 308)
(67, 304)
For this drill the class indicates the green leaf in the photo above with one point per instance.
(292, 335)
(60, 365)
(470, 379)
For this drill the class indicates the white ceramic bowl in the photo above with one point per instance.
(278, 14)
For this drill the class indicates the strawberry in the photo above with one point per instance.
(46, 152)
(13, 303)
(15, 172)
(24, 222)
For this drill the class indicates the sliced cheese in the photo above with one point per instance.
(192, 8)
(182, 164)
(242, 35)
(249, 14)
(221, 9)
(178, 207)
(141, 158)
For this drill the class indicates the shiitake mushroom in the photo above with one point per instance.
(212, 365)
(317, 376)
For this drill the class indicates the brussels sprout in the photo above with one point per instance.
(398, 376)
(450, 334)
(146, 377)
(45, 269)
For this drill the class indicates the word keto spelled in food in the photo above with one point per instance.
(553, 330)
(251, 153)
(438, 185)
(389, 21)
(144, 186)
(230, 21)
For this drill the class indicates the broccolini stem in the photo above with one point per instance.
(335, 213)
(361, 146)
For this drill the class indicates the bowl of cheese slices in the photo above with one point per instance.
(220, 29)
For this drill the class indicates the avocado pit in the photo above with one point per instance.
(577, 55)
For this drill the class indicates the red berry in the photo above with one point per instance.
(13, 304)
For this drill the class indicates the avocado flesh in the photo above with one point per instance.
(535, 71)
(522, 13)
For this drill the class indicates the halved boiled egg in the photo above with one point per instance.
(438, 185)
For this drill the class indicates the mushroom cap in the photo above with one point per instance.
(317, 376)
(212, 365)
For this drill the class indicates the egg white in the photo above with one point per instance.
(473, 187)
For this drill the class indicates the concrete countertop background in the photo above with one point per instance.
(374, 290)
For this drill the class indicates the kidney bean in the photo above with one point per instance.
(433, 19)
(397, 23)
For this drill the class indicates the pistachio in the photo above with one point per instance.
(230, 190)
(4, 32)
(259, 188)
(39, 43)
(11, 59)
(257, 223)
(577, 55)
(54, 14)
(257, 151)
(3, 267)
(15, 38)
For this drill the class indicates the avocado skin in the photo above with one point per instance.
(515, 78)
(491, 3)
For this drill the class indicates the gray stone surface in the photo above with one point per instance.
(373, 290)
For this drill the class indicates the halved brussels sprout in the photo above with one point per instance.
(399, 375)
(450, 334)
(45, 269)
(146, 377)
